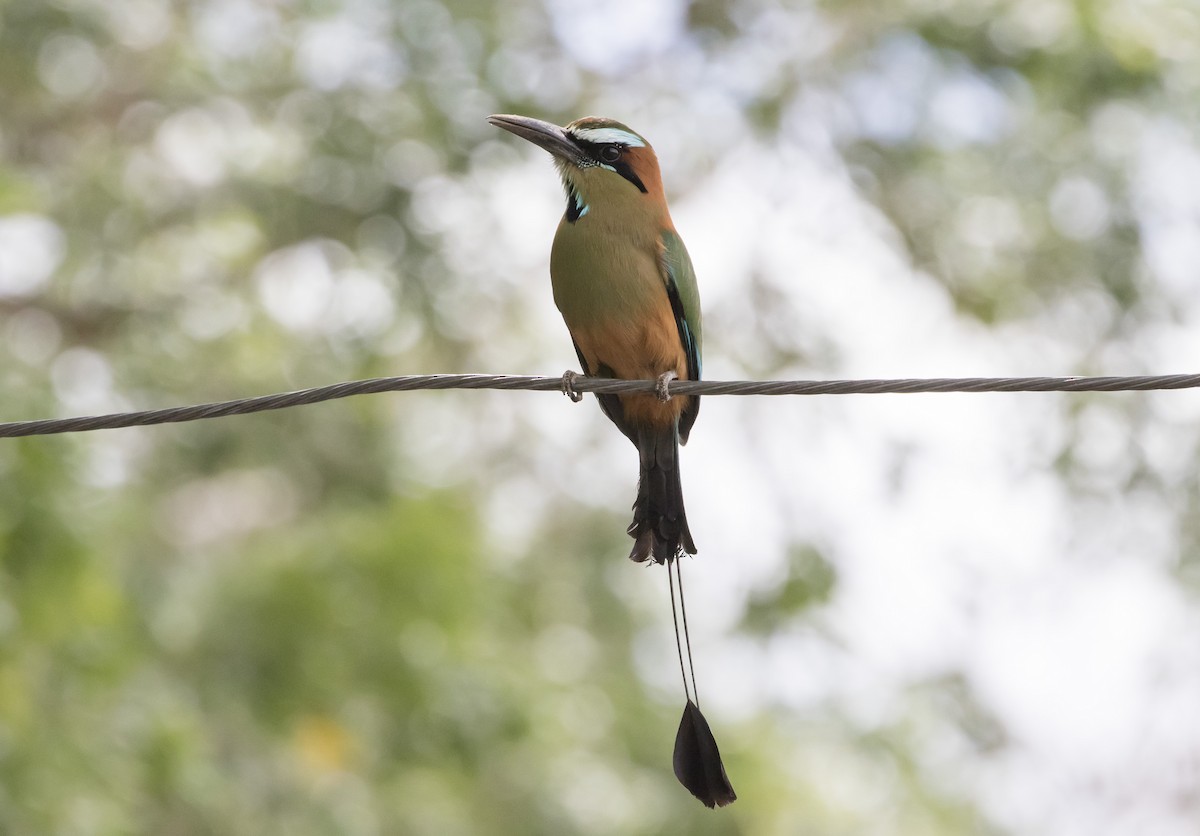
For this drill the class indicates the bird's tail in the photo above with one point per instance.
(659, 528)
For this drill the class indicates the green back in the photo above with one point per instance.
(681, 283)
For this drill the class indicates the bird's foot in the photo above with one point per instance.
(568, 386)
(662, 387)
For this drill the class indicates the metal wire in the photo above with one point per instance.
(599, 385)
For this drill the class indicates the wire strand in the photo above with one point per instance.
(598, 385)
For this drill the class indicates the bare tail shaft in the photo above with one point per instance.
(659, 527)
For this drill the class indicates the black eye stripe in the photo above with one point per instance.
(595, 151)
(626, 171)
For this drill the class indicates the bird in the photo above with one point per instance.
(625, 286)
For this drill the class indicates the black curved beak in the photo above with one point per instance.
(542, 134)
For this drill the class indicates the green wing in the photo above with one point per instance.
(680, 280)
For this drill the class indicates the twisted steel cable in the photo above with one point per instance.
(572, 383)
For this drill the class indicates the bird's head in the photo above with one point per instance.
(602, 162)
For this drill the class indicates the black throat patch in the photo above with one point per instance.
(576, 208)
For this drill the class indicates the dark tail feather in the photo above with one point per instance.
(697, 760)
(659, 527)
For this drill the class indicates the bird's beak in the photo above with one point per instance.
(542, 134)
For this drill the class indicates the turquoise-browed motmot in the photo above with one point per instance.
(626, 289)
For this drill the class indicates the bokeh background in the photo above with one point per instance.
(411, 613)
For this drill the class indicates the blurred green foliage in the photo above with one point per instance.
(809, 583)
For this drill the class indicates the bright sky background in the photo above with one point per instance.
(956, 546)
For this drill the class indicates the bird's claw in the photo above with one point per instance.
(568, 386)
(662, 387)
